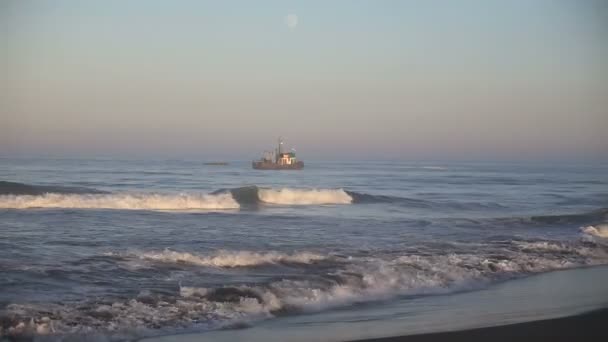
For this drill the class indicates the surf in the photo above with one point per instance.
(356, 279)
(122, 201)
(25, 196)
(598, 230)
(254, 195)
(304, 196)
(224, 258)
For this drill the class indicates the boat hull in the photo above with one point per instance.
(263, 165)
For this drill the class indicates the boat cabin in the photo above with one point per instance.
(286, 158)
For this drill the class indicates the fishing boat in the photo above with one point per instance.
(278, 160)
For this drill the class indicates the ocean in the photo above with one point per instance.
(112, 250)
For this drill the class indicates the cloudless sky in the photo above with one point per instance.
(351, 79)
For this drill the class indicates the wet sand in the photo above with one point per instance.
(590, 326)
(569, 305)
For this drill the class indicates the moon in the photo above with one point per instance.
(291, 20)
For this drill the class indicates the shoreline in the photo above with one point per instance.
(589, 325)
(558, 305)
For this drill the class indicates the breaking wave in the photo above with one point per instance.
(119, 201)
(254, 195)
(359, 278)
(368, 198)
(304, 196)
(228, 259)
(599, 230)
(23, 196)
(585, 218)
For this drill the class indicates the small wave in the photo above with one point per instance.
(359, 197)
(544, 246)
(120, 201)
(254, 195)
(251, 195)
(12, 188)
(584, 218)
(246, 196)
(596, 215)
(599, 230)
(442, 168)
(571, 250)
(304, 196)
(230, 259)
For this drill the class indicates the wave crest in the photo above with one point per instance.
(120, 201)
(304, 196)
(599, 230)
(230, 259)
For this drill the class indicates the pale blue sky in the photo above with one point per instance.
(386, 79)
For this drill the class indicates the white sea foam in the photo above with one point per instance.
(599, 230)
(373, 278)
(230, 258)
(121, 201)
(573, 250)
(545, 246)
(355, 279)
(192, 305)
(304, 196)
(126, 320)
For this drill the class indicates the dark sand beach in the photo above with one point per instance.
(589, 326)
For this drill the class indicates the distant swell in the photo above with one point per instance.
(126, 201)
(251, 195)
(585, 218)
(12, 188)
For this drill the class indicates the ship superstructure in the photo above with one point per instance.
(278, 160)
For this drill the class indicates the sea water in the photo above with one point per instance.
(123, 249)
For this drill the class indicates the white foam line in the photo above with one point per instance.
(120, 201)
(230, 258)
(304, 196)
